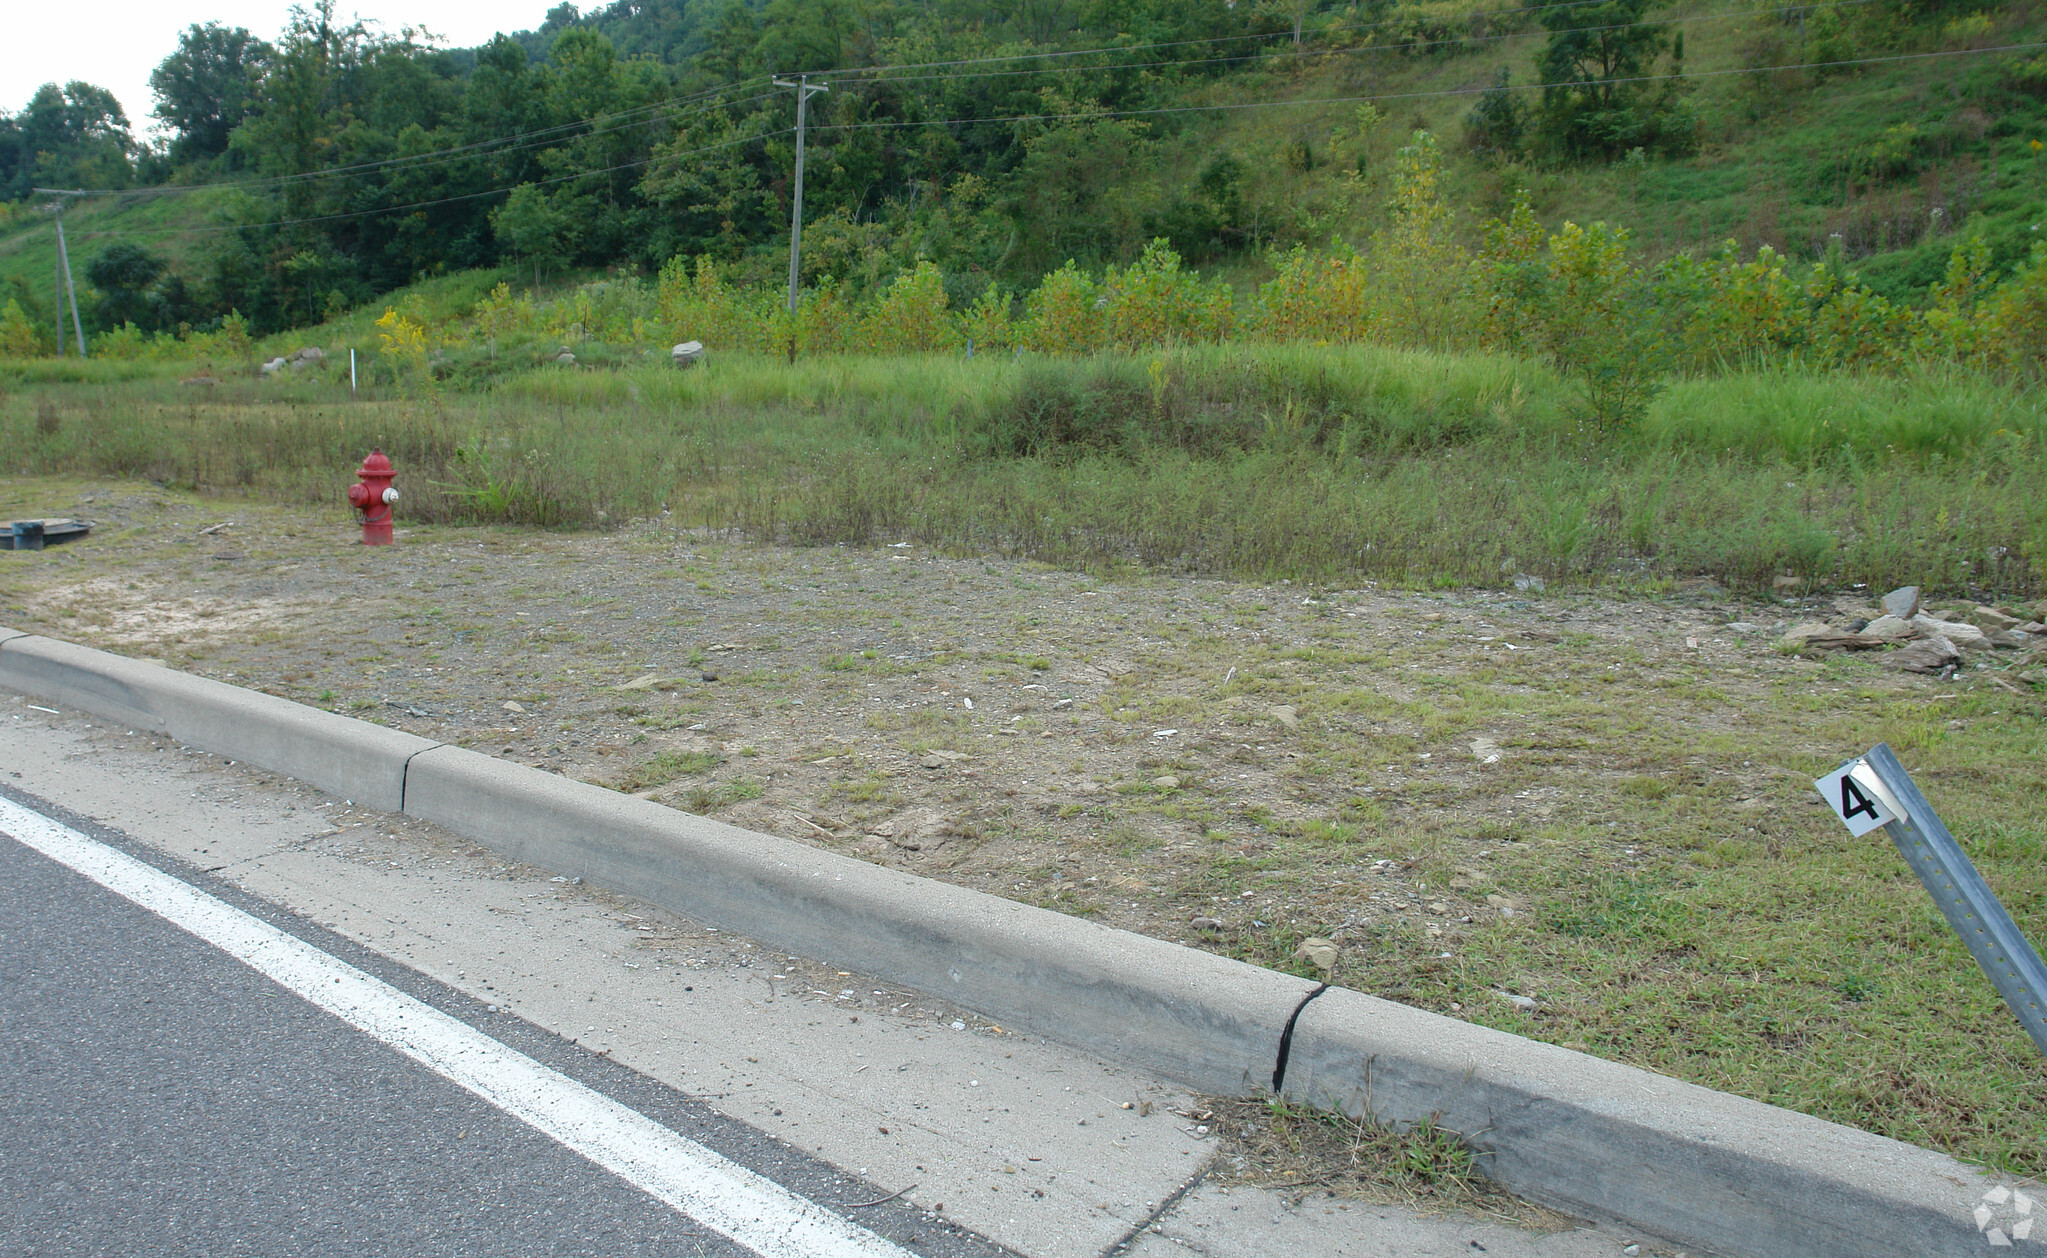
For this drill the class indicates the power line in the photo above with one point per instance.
(1514, 11)
(1099, 114)
(1455, 91)
(1371, 48)
(420, 205)
(420, 161)
(701, 99)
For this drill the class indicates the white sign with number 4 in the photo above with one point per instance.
(1858, 804)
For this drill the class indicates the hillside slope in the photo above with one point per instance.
(1872, 129)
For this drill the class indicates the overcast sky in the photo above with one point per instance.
(116, 43)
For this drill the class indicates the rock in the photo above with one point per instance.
(933, 762)
(1287, 715)
(310, 354)
(274, 366)
(1506, 904)
(513, 705)
(1528, 583)
(1206, 923)
(1743, 626)
(1991, 620)
(1890, 629)
(1438, 907)
(1813, 636)
(652, 681)
(1902, 602)
(1930, 655)
(917, 831)
(687, 354)
(1168, 782)
(1786, 585)
(1801, 633)
(1318, 952)
(2011, 639)
(1817, 635)
(1525, 1004)
(1485, 751)
(1967, 637)
(565, 358)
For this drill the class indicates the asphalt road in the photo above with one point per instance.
(162, 1097)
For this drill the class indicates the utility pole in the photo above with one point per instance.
(64, 261)
(804, 89)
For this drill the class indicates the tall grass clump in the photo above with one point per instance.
(1331, 463)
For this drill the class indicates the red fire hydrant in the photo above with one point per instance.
(373, 498)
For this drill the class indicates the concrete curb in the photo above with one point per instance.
(1198, 1018)
(1601, 1140)
(356, 759)
(1703, 1169)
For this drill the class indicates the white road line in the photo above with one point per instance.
(715, 1191)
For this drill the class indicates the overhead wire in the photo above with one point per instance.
(702, 99)
(420, 205)
(1456, 91)
(1512, 11)
(889, 124)
(473, 150)
(1366, 48)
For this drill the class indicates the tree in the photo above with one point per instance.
(531, 225)
(1594, 100)
(1494, 126)
(75, 135)
(205, 88)
(124, 275)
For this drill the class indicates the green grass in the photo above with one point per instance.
(1313, 463)
(664, 768)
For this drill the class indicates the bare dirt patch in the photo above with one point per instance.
(1583, 818)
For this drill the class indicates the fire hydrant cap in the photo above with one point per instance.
(377, 464)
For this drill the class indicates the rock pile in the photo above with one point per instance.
(305, 356)
(1919, 639)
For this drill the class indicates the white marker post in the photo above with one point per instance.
(1876, 791)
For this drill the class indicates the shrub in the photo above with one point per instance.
(986, 324)
(19, 337)
(1597, 324)
(1324, 298)
(1063, 315)
(1154, 302)
(911, 315)
(1419, 269)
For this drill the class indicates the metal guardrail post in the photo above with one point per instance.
(1875, 790)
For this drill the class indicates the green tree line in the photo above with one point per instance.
(341, 161)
